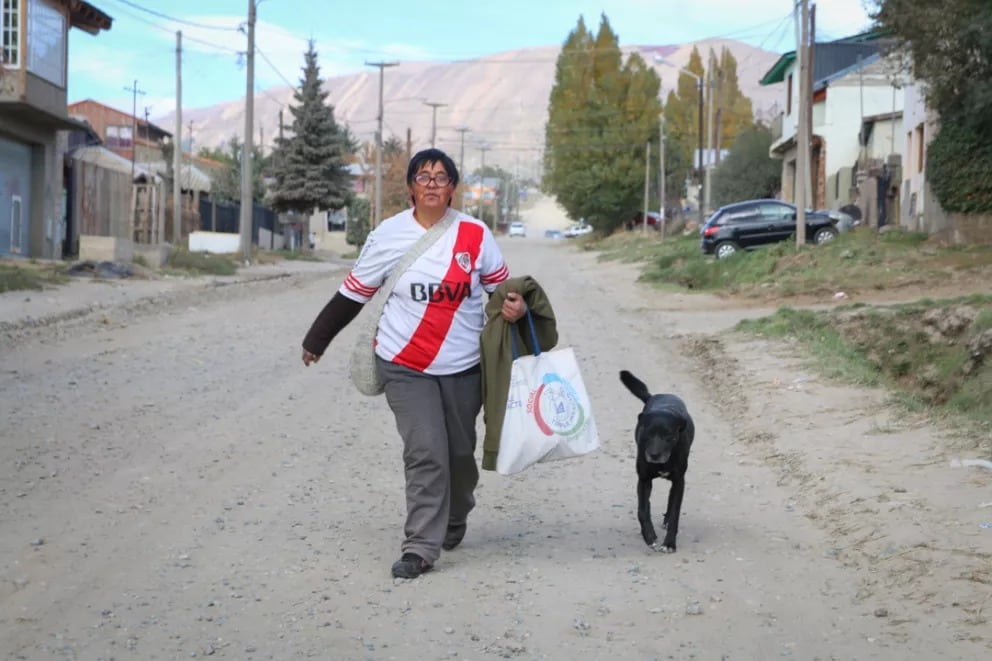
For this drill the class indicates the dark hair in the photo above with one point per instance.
(428, 156)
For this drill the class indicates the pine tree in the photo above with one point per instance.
(601, 114)
(309, 165)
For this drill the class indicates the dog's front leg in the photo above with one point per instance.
(644, 511)
(672, 515)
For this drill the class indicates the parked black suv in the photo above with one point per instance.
(747, 225)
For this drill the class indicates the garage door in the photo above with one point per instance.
(15, 191)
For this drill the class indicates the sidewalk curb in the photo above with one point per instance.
(110, 300)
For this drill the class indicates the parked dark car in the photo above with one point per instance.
(747, 225)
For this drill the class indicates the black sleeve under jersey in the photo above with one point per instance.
(338, 313)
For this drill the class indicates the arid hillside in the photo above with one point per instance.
(501, 99)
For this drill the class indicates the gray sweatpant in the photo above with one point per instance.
(435, 416)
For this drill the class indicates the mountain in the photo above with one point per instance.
(501, 99)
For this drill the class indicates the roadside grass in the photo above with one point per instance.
(184, 262)
(296, 256)
(862, 260)
(29, 275)
(934, 354)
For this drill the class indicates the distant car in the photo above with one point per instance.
(578, 229)
(552, 234)
(637, 222)
(518, 229)
(747, 225)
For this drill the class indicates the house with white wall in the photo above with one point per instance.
(852, 82)
(919, 209)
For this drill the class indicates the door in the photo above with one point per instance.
(750, 229)
(781, 219)
(15, 200)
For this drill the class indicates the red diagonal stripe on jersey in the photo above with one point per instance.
(426, 341)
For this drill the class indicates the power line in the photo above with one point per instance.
(158, 26)
(273, 67)
(184, 21)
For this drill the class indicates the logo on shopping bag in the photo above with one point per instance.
(556, 407)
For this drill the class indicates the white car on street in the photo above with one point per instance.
(518, 229)
(578, 229)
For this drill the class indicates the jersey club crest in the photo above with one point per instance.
(464, 261)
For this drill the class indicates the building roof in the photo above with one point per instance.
(86, 17)
(104, 158)
(829, 57)
(76, 109)
(190, 176)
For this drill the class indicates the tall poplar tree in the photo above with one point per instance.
(602, 112)
(309, 166)
(682, 128)
(733, 111)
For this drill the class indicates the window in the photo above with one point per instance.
(788, 96)
(10, 33)
(16, 229)
(118, 137)
(909, 149)
(46, 39)
(919, 148)
(776, 212)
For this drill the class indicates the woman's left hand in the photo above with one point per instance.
(514, 307)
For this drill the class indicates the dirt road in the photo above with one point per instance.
(174, 484)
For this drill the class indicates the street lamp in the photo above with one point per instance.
(699, 85)
(434, 106)
(377, 218)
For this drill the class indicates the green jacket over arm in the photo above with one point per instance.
(497, 353)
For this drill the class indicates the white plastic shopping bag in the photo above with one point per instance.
(548, 415)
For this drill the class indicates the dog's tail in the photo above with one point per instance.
(635, 386)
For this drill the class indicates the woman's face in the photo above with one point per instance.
(428, 191)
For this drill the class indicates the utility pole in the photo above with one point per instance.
(434, 106)
(409, 143)
(661, 171)
(802, 138)
(177, 145)
(647, 179)
(699, 81)
(461, 157)
(482, 177)
(810, 47)
(377, 218)
(134, 121)
(708, 186)
(245, 221)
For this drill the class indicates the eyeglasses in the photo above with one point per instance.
(441, 179)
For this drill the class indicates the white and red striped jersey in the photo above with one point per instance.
(433, 319)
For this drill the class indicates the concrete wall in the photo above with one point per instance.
(214, 242)
(105, 249)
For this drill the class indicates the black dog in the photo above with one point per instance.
(664, 436)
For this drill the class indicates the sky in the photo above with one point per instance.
(141, 45)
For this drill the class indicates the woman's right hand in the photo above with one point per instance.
(309, 358)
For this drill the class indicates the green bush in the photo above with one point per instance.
(358, 222)
(959, 168)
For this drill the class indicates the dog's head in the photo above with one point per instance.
(658, 434)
